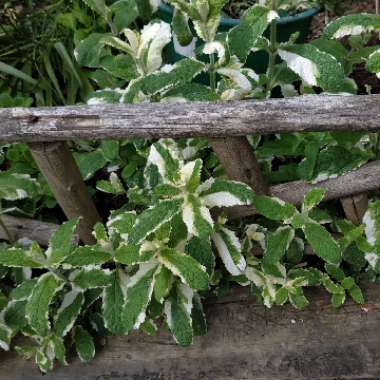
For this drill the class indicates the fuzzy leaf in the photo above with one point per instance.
(200, 250)
(223, 193)
(139, 293)
(89, 278)
(5, 336)
(352, 25)
(273, 208)
(197, 217)
(163, 284)
(242, 38)
(15, 186)
(84, 344)
(68, 312)
(323, 243)
(188, 269)
(113, 303)
(312, 199)
(61, 243)
(178, 309)
(315, 67)
(87, 255)
(278, 243)
(229, 249)
(152, 218)
(17, 258)
(37, 308)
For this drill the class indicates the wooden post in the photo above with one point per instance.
(239, 162)
(62, 174)
(355, 207)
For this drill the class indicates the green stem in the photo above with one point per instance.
(212, 73)
(272, 51)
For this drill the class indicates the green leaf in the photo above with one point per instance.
(353, 289)
(61, 243)
(59, 349)
(229, 249)
(371, 220)
(181, 29)
(152, 218)
(68, 312)
(274, 208)
(90, 163)
(296, 251)
(120, 66)
(373, 64)
(180, 74)
(129, 254)
(197, 217)
(297, 298)
(10, 70)
(89, 278)
(14, 186)
(114, 299)
(124, 13)
(278, 243)
(23, 291)
(5, 336)
(37, 308)
(201, 250)
(122, 223)
(139, 293)
(14, 315)
(90, 51)
(242, 38)
(312, 199)
(352, 25)
(198, 317)
(163, 284)
(17, 258)
(98, 6)
(178, 309)
(323, 244)
(224, 193)
(87, 255)
(84, 344)
(186, 268)
(315, 67)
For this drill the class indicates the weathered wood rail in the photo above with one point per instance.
(245, 340)
(225, 124)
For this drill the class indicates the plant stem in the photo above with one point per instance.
(272, 51)
(212, 73)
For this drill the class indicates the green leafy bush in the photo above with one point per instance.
(171, 245)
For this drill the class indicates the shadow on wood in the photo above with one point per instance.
(245, 341)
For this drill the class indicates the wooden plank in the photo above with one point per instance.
(367, 178)
(244, 341)
(62, 174)
(239, 162)
(28, 228)
(148, 120)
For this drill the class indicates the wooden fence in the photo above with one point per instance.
(225, 125)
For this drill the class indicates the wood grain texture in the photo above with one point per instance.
(62, 174)
(222, 119)
(239, 162)
(355, 207)
(28, 228)
(245, 341)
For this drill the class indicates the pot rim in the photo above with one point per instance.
(228, 21)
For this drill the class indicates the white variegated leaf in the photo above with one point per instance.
(230, 251)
